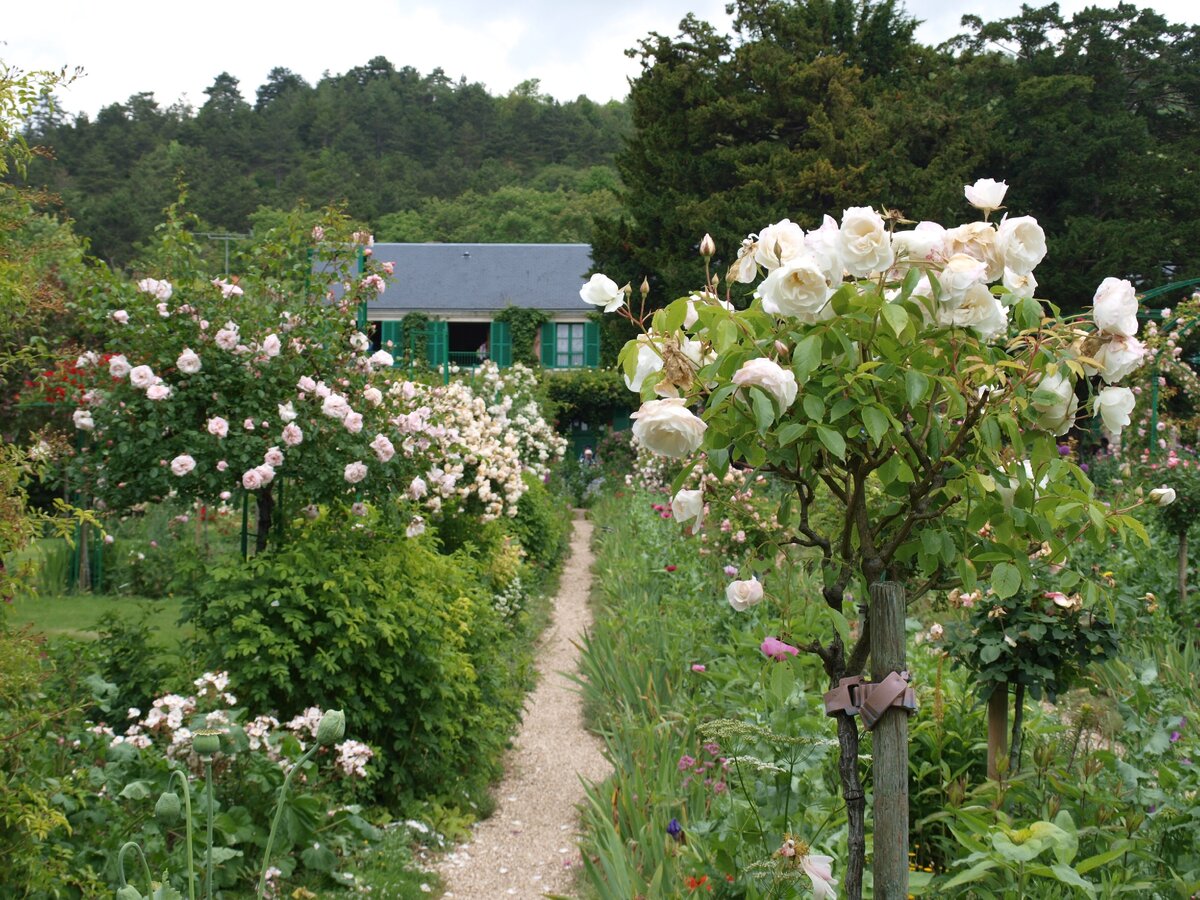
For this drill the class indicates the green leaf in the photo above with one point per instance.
(675, 314)
(813, 407)
(834, 442)
(916, 386)
(1006, 580)
(764, 410)
(974, 873)
(876, 422)
(136, 790)
(896, 318)
(790, 433)
(806, 357)
(319, 859)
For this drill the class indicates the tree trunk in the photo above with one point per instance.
(266, 511)
(856, 806)
(85, 562)
(890, 741)
(1183, 573)
(997, 722)
(1014, 750)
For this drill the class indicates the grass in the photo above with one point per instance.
(77, 615)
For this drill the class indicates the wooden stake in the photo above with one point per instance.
(890, 747)
(997, 722)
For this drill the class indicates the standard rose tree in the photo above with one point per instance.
(906, 389)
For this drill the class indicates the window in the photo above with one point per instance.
(569, 348)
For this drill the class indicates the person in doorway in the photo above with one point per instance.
(482, 352)
(588, 458)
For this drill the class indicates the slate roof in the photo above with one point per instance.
(483, 279)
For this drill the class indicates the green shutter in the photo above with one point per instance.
(550, 345)
(591, 344)
(392, 332)
(500, 344)
(438, 343)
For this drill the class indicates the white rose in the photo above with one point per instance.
(306, 384)
(668, 428)
(866, 247)
(767, 374)
(1019, 286)
(160, 289)
(1113, 405)
(1115, 307)
(218, 427)
(355, 472)
(1119, 356)
(688, 508)
(961, 273)
(925, 242)
(359, 341)
(383, 448)
(977, 239)
(602, 291)
(120, 316)
(382, 358)
(1057, 413)
(83, 420)
(825, 245)
(335, 406)
(986, 194)
(373, 395)
(142, 377)
(182, 464)
(271, 345)
(798, 288)
(981, 311)
(287, 412)
(418, 488)
(743, 594)
(744, 269)
(227, 338)
(118, 366)
(188, 362)
(353, 422)
(1162, 496)
(1021, 243)
(778, 244)
(158, 392)
(649, 361)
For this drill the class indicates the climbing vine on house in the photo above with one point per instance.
(524, 325)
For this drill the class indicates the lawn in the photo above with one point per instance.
(77, 615)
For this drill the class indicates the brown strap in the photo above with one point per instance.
(880, 696)
(854, 697)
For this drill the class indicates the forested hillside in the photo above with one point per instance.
(420, 157)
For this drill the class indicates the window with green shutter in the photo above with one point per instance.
(438, 345)
(549, 345)
(591, 344)
(500, 344)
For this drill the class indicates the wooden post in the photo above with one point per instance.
(997, 724)
(890, 747)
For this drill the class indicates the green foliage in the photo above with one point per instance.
(542, 526)
(591, 396)
(525, 324)
(362, 618)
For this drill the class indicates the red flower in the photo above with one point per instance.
(693, 883)
(671, 567)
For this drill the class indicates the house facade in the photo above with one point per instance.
(461, 288)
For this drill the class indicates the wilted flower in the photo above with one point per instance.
(1162, 496)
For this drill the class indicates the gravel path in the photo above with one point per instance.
(527, 848)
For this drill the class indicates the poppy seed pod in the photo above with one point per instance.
(206, 742)
(129, 892)
(331, 727)
(166, 810)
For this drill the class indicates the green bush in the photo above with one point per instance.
(352, 614)
(542, 525)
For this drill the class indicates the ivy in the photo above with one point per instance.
(524, 324)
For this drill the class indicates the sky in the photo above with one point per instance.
(572, 47)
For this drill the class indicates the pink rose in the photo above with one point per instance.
(225, 495)
(699, 667)
(182, 464)
(306, 384)
(142, 377)
(266, 472)
(120, 317)
(271, 345)
(355, 472)
(383, 447)
(118, 366)
(353, 422)
(158, 392)
(251, 480)
(273, 457)
(777, 650)
(248, 424)
(292, 435)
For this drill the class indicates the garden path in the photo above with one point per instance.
(527, 848)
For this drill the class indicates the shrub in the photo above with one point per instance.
(542, 525)
(404, 639)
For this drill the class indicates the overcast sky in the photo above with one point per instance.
(573, 46)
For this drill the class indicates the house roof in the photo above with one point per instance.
(483, 278)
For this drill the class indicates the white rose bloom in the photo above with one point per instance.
(160, 289)
(271, 345)
(382, 358)
(383, 448)
(981, 311)
(1057, 415)
(1115, 307)
(961, 273)
(182, 464)
(1119, 356)
(1021, 244)
(692, 315)
(287, 412)
(120, 316)
(1113, 405)
(986, 194)
(777, 381)
(359, 341)
(798, 288)
(744, 269)
(603, 292)
(335, 406)
(668, 427)
(158, 391)
(188, 362)
(218, 427)
(142, 377)
(355, 472)
(1019, 286)
(83, 420)
(227, 337)
(866, 247)
(778, 244)
(925, 242)
(353, 422)
(1162, 496)
(373, 395)
(825, 245)
(977, 239)
(743, 594)
(688, 508)
(649, 361)
(118, 366)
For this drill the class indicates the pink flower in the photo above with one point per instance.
(182, 464)
(418, 488)
(273, 457)
(777, 650)
(227, 290)
(318, 233)
(266, 472)
(731, 571)
(383, 447)
(358, 509)
(292, 435)
(158, 392)
(227, 337)
(118, 366)
(271, 345)
(120, 317)
(160, 289)
(142, 377)
(389, 267)
(355, 472)
(222, 466)
(248, 424)
(306, 384)
(819, 870)
(225, 495)
(188, 362)
(671, 567)
(251, 480)
(416, 527)
(353, 422)
(699, 667)
(374, 283)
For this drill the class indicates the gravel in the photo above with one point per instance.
(528, 847)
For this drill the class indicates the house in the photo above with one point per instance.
(461, 288)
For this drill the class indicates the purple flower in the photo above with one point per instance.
(1083, 466)
(1064, 449)
(686, 762)
(1175, 736)
(731, 571)
(777, 650)
(675, 830)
